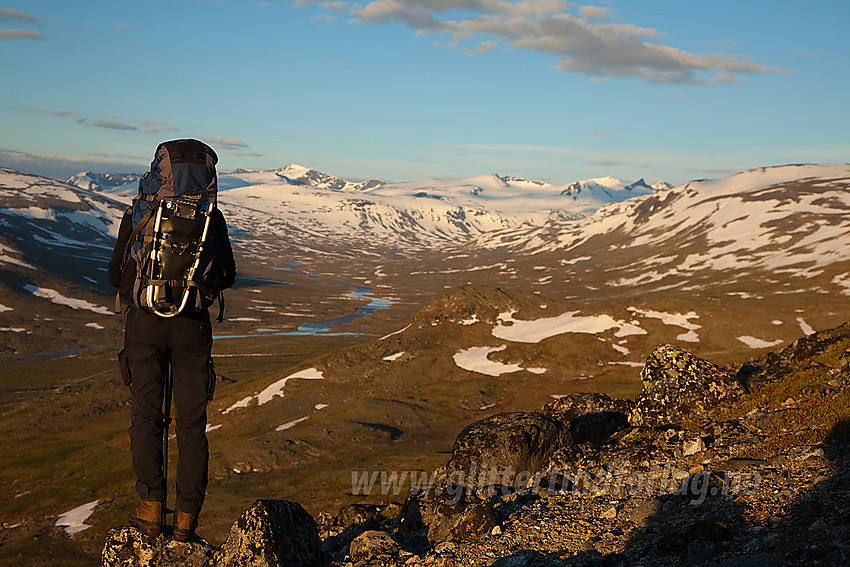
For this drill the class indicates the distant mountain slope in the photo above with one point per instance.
(45, 220)
(773, 219)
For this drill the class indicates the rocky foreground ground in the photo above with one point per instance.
(714, 466)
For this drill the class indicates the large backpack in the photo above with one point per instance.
(171, 243)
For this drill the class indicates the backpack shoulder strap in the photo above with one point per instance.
(142, 223)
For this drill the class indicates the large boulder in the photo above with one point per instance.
(441, 515)
(272, 533)
(678, 385)
(128, 547)
(506, 449)
(373, 544)
(590, 418)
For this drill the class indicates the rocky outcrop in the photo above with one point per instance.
(445, 515)
(272, 532)
(590, 417)
(373, 544)
(678, 386)
(269, 534)
(128, 547)
(704, 473)
(504, 450)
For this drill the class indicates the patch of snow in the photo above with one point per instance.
(475, 359)
(537, 330)
(753, 342)
(537, 370)
(621, 349)
(471, 321)
(395, 333)
(73, 520)
(212, 427)
(289, 424)
(59, 299)
(321, 406)
(243, 403)
(777, 322)
(276, 389)
(393, 357)
(4, 308)
(13, 329)
(843, 280)
(488, 406)
(676, 320)
(689, 337)
(94, 325)
(805, 327)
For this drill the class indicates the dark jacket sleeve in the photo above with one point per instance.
(115, 264)
(223, 250)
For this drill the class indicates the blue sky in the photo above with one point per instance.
(406, 90)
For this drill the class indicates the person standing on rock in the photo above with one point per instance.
(174, 219)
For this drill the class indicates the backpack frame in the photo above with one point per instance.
(171, 242)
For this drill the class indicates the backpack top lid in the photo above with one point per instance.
(186, 167)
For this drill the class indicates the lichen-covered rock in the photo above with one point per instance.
(678, 385)
(356, 514)
(371, 544)
(272, 533)
(506, 449)
(590, 417)
(477, 519)
(127, 547)
(447, 516)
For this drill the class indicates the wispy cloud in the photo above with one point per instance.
(108, 123)
(8, 15)
(582, 37)
(20, 34)
(61, 113)
(227, 143)
(155, 127)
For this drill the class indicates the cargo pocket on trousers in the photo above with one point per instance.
(124, 365)
(210, 379)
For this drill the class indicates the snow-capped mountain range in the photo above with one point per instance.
(782, 229)
(417, 213)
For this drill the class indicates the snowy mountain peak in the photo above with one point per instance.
(610, 189)
(104, 182)
(295, 174)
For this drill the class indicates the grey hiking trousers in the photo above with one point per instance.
(151, 344)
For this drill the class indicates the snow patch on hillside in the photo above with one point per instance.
(475, 359)
(59, 299)
(276, 389)
(74, 520)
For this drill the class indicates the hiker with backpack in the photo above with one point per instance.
(171, 261)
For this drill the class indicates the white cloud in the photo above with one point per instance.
(598, 50)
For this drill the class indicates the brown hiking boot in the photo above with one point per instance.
(184, 525)
(148, 518)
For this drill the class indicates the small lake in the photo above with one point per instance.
(325, 327)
